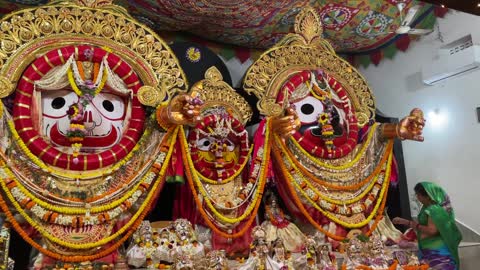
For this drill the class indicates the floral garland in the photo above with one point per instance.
(329, 205)
(68, 258)
(212, 122)
(247, 191)
(87, 219)
(326, 202)
(74, 202)
(393, 266)
(330, 151)
(297, 201)
(83, 175)
(347, 164)
(307, 184)
(88, 88)
(68, 210)
(147, 201)
(193, 176)
(141, 185)
(232, 176)
(280, 222)
(263, 175)
(327, 184)
(77, 132)
(319, 227)
(345, 210)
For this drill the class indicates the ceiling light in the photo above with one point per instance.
(442, 5)
(478, 5)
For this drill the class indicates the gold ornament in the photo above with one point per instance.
(150, 96)
(94, 3)
(306, 50)
(215, 92)
(6, 87)
(29, 33)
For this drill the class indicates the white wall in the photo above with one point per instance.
(450, 155)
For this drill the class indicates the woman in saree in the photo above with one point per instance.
(437, 233)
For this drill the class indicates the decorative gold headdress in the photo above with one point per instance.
(28, 33)
(215, 92)
(75, 210)
(305, 50)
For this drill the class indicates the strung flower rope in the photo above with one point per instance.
(224, 181)
(108, 239)
(87, 91)
(334, 218)
(54, 217)
(319, 227)
(263, 175)
(69, 258)
(87, 87)
(241, 199)
(327, 214)
(329, 206)
(279, 219)
(63, 174)
(220, 125)
(307, 179)
(346, 165)
(315, 178)
(73, 202)
(220, 216)
(79, 210)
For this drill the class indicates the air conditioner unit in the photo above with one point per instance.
(454, 59)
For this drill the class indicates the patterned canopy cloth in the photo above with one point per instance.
(440, 251)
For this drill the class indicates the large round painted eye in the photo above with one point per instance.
(308, 109)
(55, 103)
(230, 145)
(204, 144)
(110, 106)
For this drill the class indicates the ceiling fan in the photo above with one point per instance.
(405, 27)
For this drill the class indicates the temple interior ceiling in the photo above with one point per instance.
(352, 26)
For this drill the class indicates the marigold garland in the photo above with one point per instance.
(69, 210)
(302, 209)
(375, 174)
(346, 165)
(231, 173)
(79, 92)
(82, 175)
(148, 199)
(314, 178)
(79, 210)
(227, 180)
(69, 258)
(333, 218)
(191, 177)
(52, 217)
(249, 222)
(279, 224)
